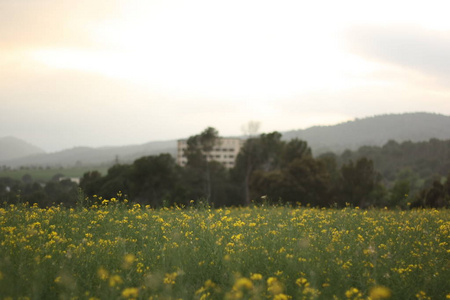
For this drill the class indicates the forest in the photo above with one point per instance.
(268, 170)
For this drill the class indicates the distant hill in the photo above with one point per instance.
(83, 156)
(11, 148)
(372, 131)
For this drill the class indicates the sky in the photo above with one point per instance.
(105, 73)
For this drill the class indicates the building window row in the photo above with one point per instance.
(225, 154)
(224, 150)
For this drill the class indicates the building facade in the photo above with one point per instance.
(224, 152)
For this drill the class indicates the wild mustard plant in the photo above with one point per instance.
(113, 250)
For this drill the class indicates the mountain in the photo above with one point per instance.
(12, 148)
(374, 131)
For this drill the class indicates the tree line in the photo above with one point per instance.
(268, 169)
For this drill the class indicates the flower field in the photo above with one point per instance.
(115, 252)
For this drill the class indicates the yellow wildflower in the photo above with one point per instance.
(130, 293)
(256, 276)
(102, 273)
(302, 282)
(379, 292)
(422, 296)
(281, 297)
(274, 286)
(353, 293)
(128, 260)
(170, 278)
(210, 284)
(115, 280)
(243, 283)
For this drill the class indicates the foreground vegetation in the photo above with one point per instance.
(112, 251)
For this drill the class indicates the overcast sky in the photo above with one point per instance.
(101, 72)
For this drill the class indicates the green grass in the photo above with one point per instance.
(45, 175)
(112, 252)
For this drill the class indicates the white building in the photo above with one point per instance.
(224, 152)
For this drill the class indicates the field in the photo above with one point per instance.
(119, 252)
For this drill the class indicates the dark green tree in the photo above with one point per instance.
(262, 153)
(116, 180)
(198, 154)
(360, 184)
(223, 192)
(398, 194)
(91, 182)
(27, 179)
(295, 149)
(294, 176)
(155, 180)
(59, 192)
(304, 180)
(436, 196)
(310, 181)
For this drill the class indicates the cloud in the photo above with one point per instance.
(414, 48)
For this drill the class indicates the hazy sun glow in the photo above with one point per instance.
(261, 50)
(170, 68)
(258, 52)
